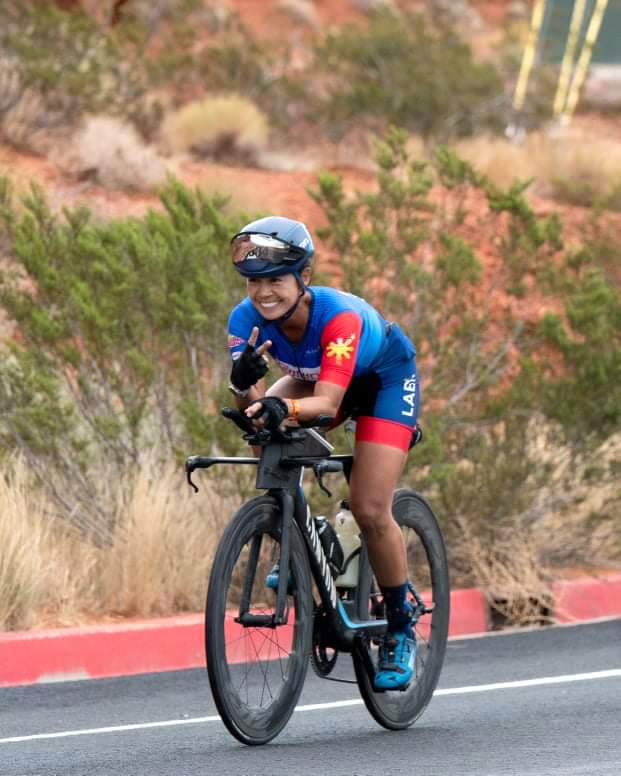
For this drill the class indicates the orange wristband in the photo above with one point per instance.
(295, 409)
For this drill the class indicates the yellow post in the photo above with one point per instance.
(529, 54)
(584, 61)
(568, 57)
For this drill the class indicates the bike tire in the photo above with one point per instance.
(256, 674)
(428, 570)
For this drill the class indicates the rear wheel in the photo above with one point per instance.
(256, 673)
(428, 573)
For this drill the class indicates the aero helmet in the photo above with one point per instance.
(272, 246)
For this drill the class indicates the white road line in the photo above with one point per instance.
(613, 672)
(540, 681)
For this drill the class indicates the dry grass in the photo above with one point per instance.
(227, 128)
(572, 167)
(573, 527)
(28, 120)
(111, 152)
(158, 562)
(165, 538)
(510, 571)
(580, 520)
(164, 544)
(24, 535)
(242, 197)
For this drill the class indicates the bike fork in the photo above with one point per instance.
(246, 617)
(286, 502)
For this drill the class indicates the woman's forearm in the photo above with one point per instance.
(255, 393)
(312, 406)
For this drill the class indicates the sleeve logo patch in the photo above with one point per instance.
(235, 341)
(341, 349)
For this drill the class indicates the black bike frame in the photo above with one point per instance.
(280, 472)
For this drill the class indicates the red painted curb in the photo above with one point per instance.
(173, 643)
(469, 612)
(101, 650)
(587, 598)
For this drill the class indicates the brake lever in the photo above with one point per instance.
(323, 467)
(319, 477)
(194, 462)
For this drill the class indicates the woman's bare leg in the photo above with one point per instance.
(374, 476)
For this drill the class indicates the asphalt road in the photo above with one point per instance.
(531, 703)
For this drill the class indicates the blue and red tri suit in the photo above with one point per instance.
(348, 343)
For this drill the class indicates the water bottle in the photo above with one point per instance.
(349, 538)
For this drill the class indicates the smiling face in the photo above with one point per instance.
(273, 297)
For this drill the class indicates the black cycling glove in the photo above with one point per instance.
(248, 369)
(273, 412)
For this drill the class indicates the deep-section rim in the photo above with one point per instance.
(260, 514)
(409, 705)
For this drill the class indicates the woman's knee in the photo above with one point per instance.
(371, 516)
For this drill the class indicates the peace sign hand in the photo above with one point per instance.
(252, 365)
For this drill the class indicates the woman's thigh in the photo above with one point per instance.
(374, 477)
(290, 388)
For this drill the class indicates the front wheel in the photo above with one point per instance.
(256, 673)
(428, 573)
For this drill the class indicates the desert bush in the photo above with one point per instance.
(120, 343)
(227, 127)
(589, 338)
(70, 65)
(111, 152)
(229, 60)
(373, 6)
(509, 568)
(29, 119)
(403, 70)
(494, 367)
(300, 11)
(570, 168)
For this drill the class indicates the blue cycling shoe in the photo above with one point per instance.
(397, 657)
(271, 580)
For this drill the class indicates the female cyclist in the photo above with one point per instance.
(341, 358)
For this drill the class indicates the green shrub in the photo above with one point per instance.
(71, 64)
(231, 61)
(491, 401)
(589, 338)
(404, 71)
(29, 119)
(121, 339)
(430, 269)
(227, 127)
(587, 194)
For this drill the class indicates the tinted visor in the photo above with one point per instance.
(264, 247)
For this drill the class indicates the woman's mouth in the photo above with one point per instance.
(268, 305)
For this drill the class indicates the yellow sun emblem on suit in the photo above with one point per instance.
(341, 348)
